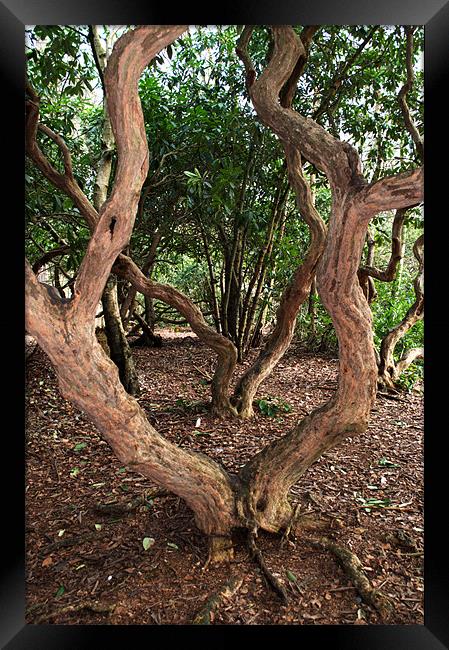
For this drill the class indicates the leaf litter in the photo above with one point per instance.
(131, 553)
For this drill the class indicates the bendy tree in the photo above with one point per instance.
(258, 496)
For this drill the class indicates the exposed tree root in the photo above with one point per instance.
(310, 523)
(120, 509)
(206, 614)
(93, 605)
(351, 564)
(69, 541)
(291, 524)
(269, 577)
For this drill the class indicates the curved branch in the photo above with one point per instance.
(64, 182)
(338, 160)
(288, 91)
(294, 295)
(403, 190)
(126, 268)
(389, 274)
(131, 54)
(225, 349)
(49, 255)
(389, 372)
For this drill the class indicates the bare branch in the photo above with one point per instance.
(67, 158)
(389, 274)
(48, 256)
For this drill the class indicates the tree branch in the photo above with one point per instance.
(402, 96)
(403, 190)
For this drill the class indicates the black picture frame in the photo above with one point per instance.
(434, 14)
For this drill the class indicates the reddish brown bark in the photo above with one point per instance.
(65, 328)
(397, 252)
(119, 349)
(112, 226)
(269, 475)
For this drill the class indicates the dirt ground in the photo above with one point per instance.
(105, 546)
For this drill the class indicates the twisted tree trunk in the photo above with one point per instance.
(124, 266)
(270, 474)
(118, 343)
(64, 328)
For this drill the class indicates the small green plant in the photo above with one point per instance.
(384, 462)
(410, 376)
(271, 406)
(368, 504)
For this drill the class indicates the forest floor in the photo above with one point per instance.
(86, 563)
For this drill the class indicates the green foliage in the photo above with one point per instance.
(271, 406)
(214, 167)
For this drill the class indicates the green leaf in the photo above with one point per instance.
(384, 462)
(97, 526)
(74, 472)
(60, 591)
(147, 542)
(291, 576)
(80, 446)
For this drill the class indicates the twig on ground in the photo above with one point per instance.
(129, 506)
(388, 396)
(203, 372)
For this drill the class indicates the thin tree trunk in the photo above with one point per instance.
(212, 280)
(295, 294)
(389, 371)
(258, 275)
